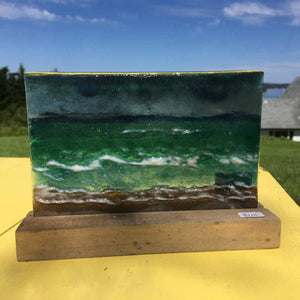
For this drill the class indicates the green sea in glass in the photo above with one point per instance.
(121, 142)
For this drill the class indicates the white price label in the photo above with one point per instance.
(253, 214)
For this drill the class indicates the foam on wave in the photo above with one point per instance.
(151, 161)
(172, 131)
(96, 164)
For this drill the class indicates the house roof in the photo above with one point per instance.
(283, 112)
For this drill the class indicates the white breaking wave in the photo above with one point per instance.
(38, 169)
(134, 130)
(159, 161)
(236, 160)
(152, 161)
(75, 168)
(170, 160)
(173, 131)
(141, 130)
(53, 177)
(113, 158)
(252, 158)
(184, 131)
(179, 130)
(193, 161)
(156, 161)
(224, 161)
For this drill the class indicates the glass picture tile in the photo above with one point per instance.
(122, 142)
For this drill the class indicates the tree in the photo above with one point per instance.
(12, 97)
(4, 90)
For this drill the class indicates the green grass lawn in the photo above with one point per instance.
(14, 146)
(279, 156)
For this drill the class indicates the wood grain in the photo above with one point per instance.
(75, 236)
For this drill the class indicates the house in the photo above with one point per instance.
(281, 116)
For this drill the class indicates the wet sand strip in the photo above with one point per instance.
(49, 201)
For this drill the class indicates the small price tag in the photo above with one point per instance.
(254, 214)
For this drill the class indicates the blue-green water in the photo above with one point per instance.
(141, 153)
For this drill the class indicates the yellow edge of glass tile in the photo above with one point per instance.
(247, 274)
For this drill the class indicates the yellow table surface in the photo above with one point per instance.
(246, 274)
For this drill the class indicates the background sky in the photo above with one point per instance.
(152, 35)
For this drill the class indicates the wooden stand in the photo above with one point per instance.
(75, 236)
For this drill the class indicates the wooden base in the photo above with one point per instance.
(75, 236)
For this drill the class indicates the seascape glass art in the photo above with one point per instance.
(123, 142)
